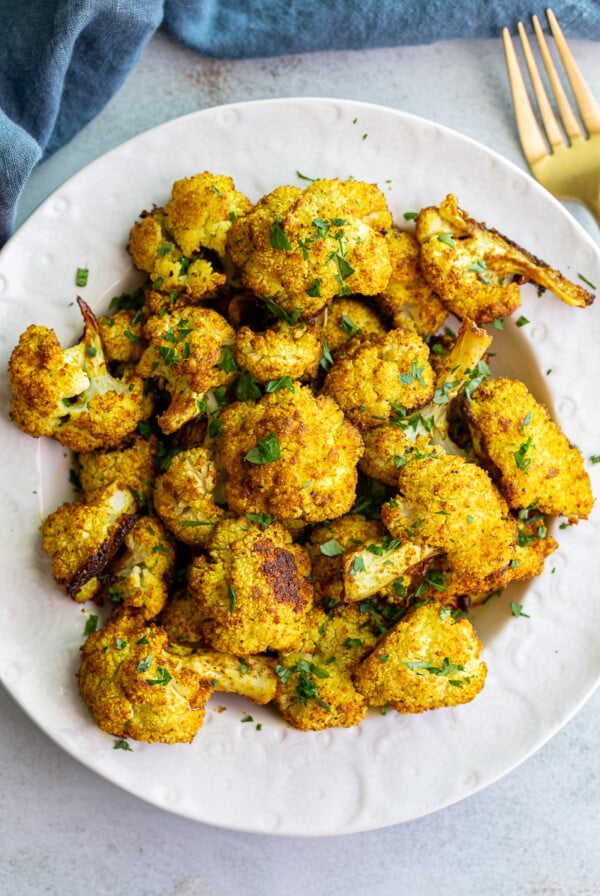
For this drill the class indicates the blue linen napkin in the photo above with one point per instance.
(62, 60)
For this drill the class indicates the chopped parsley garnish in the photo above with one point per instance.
(163, 677)
(144, 665)
(267, 450)
(279, 239)
(517, 609)
(331, 548)
(261, 518)
(284, 382)
(81, 276)
(91, 624)
(521, 460)
(231, 598)
(122, 745)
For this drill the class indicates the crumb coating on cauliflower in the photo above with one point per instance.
(428, 660)
(69, 394)
(134, 688)
(187, 354)
(315, 688)
(301, 248)
(81, 538)
(132, 464)
(289, 455)
(379, 376)
(349, 318)
(253, 589)
(122, 336)
(141, 576)
(408, 300)
(471, 267)
(184, 496)
(530, 458)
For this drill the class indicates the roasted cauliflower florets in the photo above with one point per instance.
(69, 394)
(300, 248)
(427, 661)
(349, 317)
(378, 376)
(141, 576)
(122, 336)
(135, 688)
(188, 353)
(290, 455)
(471, 267)
(254, 589)
(283, 350)
(532, 461)
(132, 464)
(184, 496)
(316, 690)
(408, 300)
(81, 538)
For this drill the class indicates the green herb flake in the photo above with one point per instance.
(122, 745)
(522, 321)
(331, 548)
(267, 450)
(81, 276)
(144, 665)
(91, 624)
(279, 239)
(517, 609)
(163, 677)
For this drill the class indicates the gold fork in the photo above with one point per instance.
(566, 161)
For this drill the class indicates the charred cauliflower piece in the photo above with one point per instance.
(532, 461)
(141, 576)
(427, 661)
(254, 589)
(300, 248)
(315, 688)
(349, 318)
(283, 350)
(81, 538)
(375, 377)
(134, 688)
(69, 394)
(188, 354)
(171, 243)
(133, 465)
(184, 496)
(471, 267)
(408, 300)
(453, 507)
(290, 455)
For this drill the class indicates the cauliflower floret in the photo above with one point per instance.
(385, 450)
(184, 496)
(453, 507)
(378, 376)
(122, 336)
(316, 689)
(141, 576)
(471, 267)
(300, 248)
(135, 688)
(254, 589)
(81, 538)
(283, 350)
(132, 465)
(68, 394)
(189, 353)
(428, 660)
(533, 462)
(252, 677)
(408, 300)
(290, 455)
(350, 318)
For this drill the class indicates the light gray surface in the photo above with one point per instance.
(64, 830)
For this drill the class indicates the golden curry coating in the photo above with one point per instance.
(385, 450)
(350, 317)
(122, 335)
(471, 267)
(300, 248)
(82, 537)
(453, 507)
(184, 496)
(408, 299)
(315, 688)
(378, 376)
(427, 661)
(187, 354)
(253, 589)
(290, 455)
(132, 464)
(135, 688)
(532, 461)
(282, 350)
(69, 394)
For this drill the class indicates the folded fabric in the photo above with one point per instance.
(62, 60)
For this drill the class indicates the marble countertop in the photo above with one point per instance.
(65, 831)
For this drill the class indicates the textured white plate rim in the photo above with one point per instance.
(284, 109)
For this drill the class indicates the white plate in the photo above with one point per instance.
(389, 769)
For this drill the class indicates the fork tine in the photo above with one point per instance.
(551, 126)
(588, 107)
(532, 138)
(567, 115)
